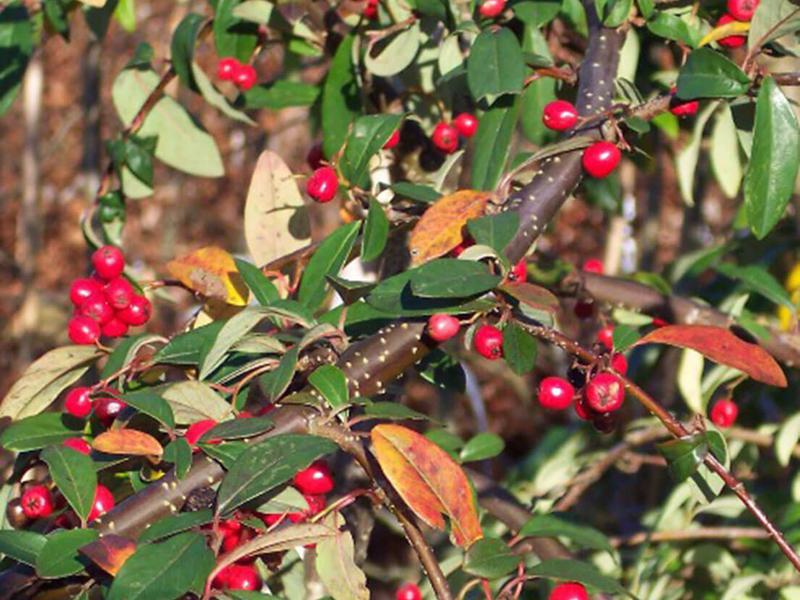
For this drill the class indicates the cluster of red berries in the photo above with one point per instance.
(724, 413)
(105, 303)
(738, 10)
(570, 590)
(230, 69)
(491, 9)
(79, 403)
(38, 502)
(445, 135)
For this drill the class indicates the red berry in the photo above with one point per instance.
(227, 67)
(118, 293)
(492, 8)
(197, 430)
(724, 413)
(462, 245)
(584, 309)
(78, 403)
(37, 502)
(97, 309)
(242, 577)
(742, 10)
(659, 322)
(606, 337)
(82, 289)
(107, 409)
(582, 409)
(83, 330)
(519, 272)
(466, 124)
(323, 184)
(488, 342)
(600, 159)
(731, 41)
(680, 108)
(560, 115)
(108, 262)
(316, 503)
(593, 265)
(408, 591)
(245, 77)
(137, 312)
(619, 363)
(315, 479)
(393, 140)
(114, 328)
(442, 327)
(315, 157)
(569, 591)
(445, 138)
(78, 444)
(605, 393)
(371, 10)
(555, 393)
(103, 502)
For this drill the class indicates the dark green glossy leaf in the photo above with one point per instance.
(263, 289)
(757, 279)
(492, 143)
(59, 557)
(38, 431)
(709, 74)
(123, 353)
(329, 381)
(368, 135)
(452, 278)
(176, 524)
(74, 475)
(536, 96)
(490, 558)
(670, 26)
(519, 349)
(376, 232)
(328, 259)
(226, 454)
(416, 192)
(392, 411)
(575, 570)
(274, 383)
(552, 525)
(350, 291)
(182, 47)
(190, 347)
(16, 47)
(624, 337)
(237, 429)
(179, 453)
(147, 401)
(536, 13)
(139, 159)
(495, 231)
(495, 65)
(442, 370)
(482, 446)
(684, 455)
(233, 36)
(281, 94)
(22, 545)
(55, 12)
(340, 98)
(616, 12)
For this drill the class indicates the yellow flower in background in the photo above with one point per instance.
(793, 279)
(786, 316)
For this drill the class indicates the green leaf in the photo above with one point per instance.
(59, 557)
(774, 159)
(190, 347)
(176, 524)
(534, 98)
(519, 349)
(684, 455)
(552, 525)
(709, 74)
(574, 570)
(179, 454)
(451, 278)
(258, 283)
(268, 464)
(393, 53)
(376, 232)
(492, 143)
(772, 19)
(786, 439)
(216, 98)
(16, 47)
(274, 383)
(22, 545)
(757, 279)
(38, 431)
(367, 137)
(341, 101)
(74, 475)
(495, 231)
(393, 411)
(227, 454)
(164, 571)
(125, 351)
(237, 429)
(182, 47)
(671, 27)
(495, 65)
(328, 259)
(193, 401)
(725, 157)
(329, 381)
(686, 160)
(416, 192)
(232, 35)
(616, 12)
(482, 446)
(490, 558)
(335, 563)
(624, 337)
(150, 403)
(281, 94)
(139, 160)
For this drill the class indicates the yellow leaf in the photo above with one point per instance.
(127, 441)
(723, 31)
(211, 272)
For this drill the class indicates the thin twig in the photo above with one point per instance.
(686, 535)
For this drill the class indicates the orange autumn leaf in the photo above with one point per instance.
(439, 229)
(127, 441)
(723, 347)
(211, 272)
(109, 552)
(431, 483)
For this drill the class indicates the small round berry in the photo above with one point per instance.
(315, 479)
(137, 312)
(393, 140)
(408, 591)
(731, 41)
(488, 342)
(445, 138)
(560, 115)
(742, 10)
(118, 293)
(600, 159)
(83, 330)
(242, 577)
(658, 322)
(78, 402)
(103, 502)
(619, 363)
(97, 309)
(108, 262)
(593, 265)
(37, 502)
(316, 503)
(466, 124)
(227, 68)
(107, 409)
(583, 309)
(84, 288)
(78, 444)
(555, 393)
(605, 393)
(15, 514)
(323, 184)
(569, 591)
(519, 272)
(683, 108)
(371, 10)
(197, 430)
(583, 411)
(115, 328)
(245, 77)
(492, 8)
(606, 337)
(604, 422)
(724, 413)
(576, 377)
(442, 327)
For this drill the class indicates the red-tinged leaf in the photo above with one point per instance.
(109, 552)
(533, 295)
(127, 441)
(723, 347)
(211, 272)
(439, 229)
(431, 483)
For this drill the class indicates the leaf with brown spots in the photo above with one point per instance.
(439, 229)
(211, 272)
(723, 347)
(430, 482)
(109, 552)
(127, 441)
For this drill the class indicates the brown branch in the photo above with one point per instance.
(787, 78)
(687, 535)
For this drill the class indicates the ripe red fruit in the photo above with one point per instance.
(323, 184)
(555, 393)
(78, 403)
(593, 265)
(600, 159)
(519, 272)
(731, 41)
(442, 327)
(606, 337)
(37, 502)
(619, 363)
(682, 108)
(488, 342)
(492, 8)
(569, 591)
(78, 444)
(241, 577)
(108, 262)
(82, 289)
(245, 77)
(316, 504)
(724, 413)
(107, 409)
(560, 115)
(582, 409)
(103, 502)
(408, 591)
(584, 309)
(315, 479)
(466, 124)
(114, 328)
(137, 312)
(83, 330)
(445, 138)
(227, 68)
(371, 10)
(393, 140)
(118, 293)
(605, 393)
(196, 430)
(97, 309)
(742, 10)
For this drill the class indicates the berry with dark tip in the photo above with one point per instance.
(106, 409)
(37, 502)
(137, 312)
(118, 293)
(323, 184)
(103, 502)
(97, 309)
(108, 262)
(555, 393)
(445, 138)
(605, 393)
(488, 342)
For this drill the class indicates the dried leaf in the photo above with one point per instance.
(734, 28)
(439, 229)
(127, 441)
(428, 480)
(211, 272)
(723, 347)
(109, 552)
